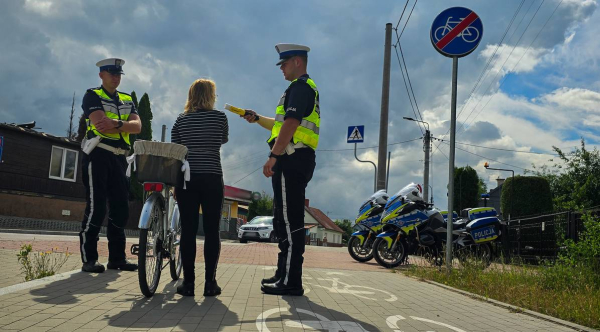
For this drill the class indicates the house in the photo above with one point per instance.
(494, 199)
(321, 230)
(40, 175)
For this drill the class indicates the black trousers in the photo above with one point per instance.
(292, 174)
(105, 182)
(204, 190)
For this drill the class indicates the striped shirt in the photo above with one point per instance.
(202, 132)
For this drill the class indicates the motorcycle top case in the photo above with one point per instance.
(484, 229)
(477, 213)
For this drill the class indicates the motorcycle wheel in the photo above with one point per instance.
(357, 252)
(385, 257)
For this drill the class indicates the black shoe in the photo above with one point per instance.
(211, 288)
(123, 265)
(186, 289)
(93, 267)
(279, 288)
(271, 280)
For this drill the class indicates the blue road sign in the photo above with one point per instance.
(456, 32)
(356, 134)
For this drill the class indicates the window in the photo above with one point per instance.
(63, 164)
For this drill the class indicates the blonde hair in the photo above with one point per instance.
(202, 95)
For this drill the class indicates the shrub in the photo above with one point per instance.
(532, 195)
(41, 264)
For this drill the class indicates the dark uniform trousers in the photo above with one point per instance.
(105, 181)
(292, 174)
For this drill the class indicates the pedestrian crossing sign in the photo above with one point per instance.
(356, 134)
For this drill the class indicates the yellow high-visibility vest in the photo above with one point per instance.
(308, 130)
(112, 111)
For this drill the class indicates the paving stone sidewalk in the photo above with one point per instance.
(335, 301)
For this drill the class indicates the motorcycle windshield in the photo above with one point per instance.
(379, 197)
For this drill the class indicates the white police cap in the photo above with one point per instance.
(287, 51)
(111, 65)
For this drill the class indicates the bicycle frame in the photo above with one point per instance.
(170, 210)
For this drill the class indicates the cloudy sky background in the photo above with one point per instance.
(529, 99)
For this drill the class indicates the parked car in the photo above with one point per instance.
(260, 228)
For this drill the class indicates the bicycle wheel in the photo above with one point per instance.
(175, 258)
(150, 253)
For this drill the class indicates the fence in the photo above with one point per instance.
(540, 237)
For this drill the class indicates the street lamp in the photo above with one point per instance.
(426, 143)
(512, 186)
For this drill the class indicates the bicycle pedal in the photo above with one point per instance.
(135, 249)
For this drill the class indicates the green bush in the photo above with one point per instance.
(532, 196)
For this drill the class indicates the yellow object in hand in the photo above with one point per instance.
(238, 111)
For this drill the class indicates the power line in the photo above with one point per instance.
(410, 84)
(515, 66)
(407, 92)
(409, 15)
(487, 158)
(247, 175)
(500, 149)
(370, 147)
(400, 19)
(473, 90)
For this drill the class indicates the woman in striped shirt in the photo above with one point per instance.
(203, 130)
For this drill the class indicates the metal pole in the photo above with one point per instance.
(163, 135)
(426, 173)
(451, 164)
(372, 163)
(387, 177)
(385, 103)
(512, 187)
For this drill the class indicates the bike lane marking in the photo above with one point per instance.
(392, 322)
(323, 323)
(465, 23)
(347, 289)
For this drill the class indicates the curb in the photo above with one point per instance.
(511, 307)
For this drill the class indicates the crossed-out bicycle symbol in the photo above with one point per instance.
(363, 292)
(470, 34)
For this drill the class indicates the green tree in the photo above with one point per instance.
(261, 207)
(145, 113)
(466, 188)
(575, 183)
(347, 227)
(136, 192)
(531, 196)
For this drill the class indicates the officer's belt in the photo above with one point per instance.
(113, 149)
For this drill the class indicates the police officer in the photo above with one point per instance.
(110, 115)
(291, 162)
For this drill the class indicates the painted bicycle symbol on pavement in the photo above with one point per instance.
(392, 322)
(363, 292)
(321, 323)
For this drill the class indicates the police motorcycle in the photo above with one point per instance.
(360, 245)
(408, 227)
(479, 229)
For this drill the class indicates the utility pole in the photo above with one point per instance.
(163, 134)
(385, 104)
(426, 172)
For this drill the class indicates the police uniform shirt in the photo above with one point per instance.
(299, 100)
(91, 103)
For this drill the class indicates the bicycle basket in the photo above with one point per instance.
(159, 162)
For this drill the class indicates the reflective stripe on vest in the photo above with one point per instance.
(112, 111)
(308, 130)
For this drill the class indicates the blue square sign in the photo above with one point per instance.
(356, 134)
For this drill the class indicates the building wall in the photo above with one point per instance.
(39, 207)
(25, 166)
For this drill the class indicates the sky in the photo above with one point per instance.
(536, 88)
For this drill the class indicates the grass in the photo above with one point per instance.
(568, 292)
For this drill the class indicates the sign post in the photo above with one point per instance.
(356, 134)
(455, 32)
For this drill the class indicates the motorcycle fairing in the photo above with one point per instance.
(361, 235)
(389, 237)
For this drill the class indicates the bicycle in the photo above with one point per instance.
(471, 32)
(160, 222)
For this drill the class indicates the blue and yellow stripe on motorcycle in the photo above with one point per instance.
(361, 235)
(395, 208)
(482, 212)
(388, 237)
(485, 234)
